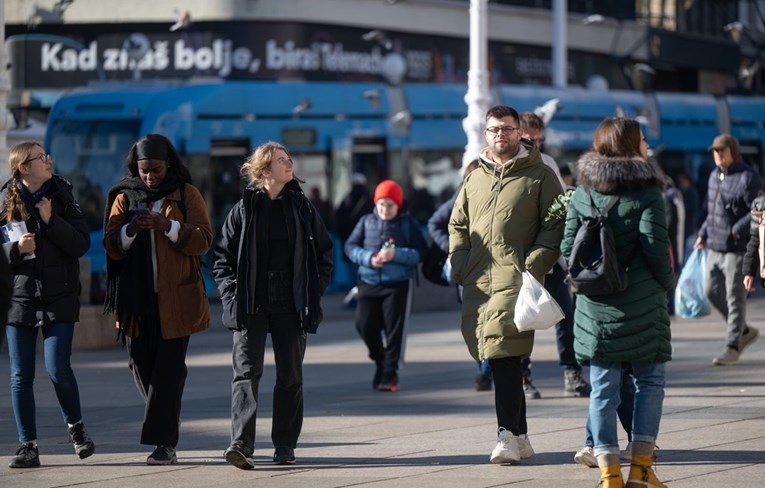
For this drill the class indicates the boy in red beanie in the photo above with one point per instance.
(387, 245)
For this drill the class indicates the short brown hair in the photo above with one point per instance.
(531, 121)
(502, 111)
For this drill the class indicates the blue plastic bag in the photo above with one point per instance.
(690, 299)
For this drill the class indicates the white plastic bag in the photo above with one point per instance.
(535, 308)
(690, 299)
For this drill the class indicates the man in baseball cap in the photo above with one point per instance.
(732, 187)
(725, 141)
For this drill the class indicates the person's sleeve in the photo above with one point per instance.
(438, 224)
(69, 230)
(323, 251)
(543, 254)
(195, 235)
(654, 239)
(459, 235)
(354, 245)
(571, 227)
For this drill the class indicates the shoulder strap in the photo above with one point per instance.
(594, 210)
(407, 230)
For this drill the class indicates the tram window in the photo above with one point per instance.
(298, 136)
(430, 178)
(91, 155)
(312, 168)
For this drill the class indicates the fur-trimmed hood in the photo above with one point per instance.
(617, 175)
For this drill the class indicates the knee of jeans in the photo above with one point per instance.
(62, 376)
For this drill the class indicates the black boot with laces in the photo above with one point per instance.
(26, 457)
(83, 446)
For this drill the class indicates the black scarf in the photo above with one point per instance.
(130, 290)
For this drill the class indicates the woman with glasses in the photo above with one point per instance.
(386, 245)
(48, 234)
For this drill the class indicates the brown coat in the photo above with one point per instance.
(183, 305)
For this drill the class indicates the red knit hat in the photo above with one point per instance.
(389, 189)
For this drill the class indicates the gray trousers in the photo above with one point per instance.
(725, 289)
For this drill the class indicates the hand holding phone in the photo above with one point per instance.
(142, 211)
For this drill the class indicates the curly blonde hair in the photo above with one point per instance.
(259, 161)
(18, 155)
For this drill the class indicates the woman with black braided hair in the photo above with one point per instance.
(155, 232)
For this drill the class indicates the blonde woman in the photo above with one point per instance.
(273, 262)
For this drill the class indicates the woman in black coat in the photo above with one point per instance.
(45, 235)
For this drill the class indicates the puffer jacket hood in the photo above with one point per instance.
(616, 175)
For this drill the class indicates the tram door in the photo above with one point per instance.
(369, 156)
(751, 152)
(225, 184)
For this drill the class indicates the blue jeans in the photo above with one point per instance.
(57, 340)
(606, 379)
(484, 368)
(623, 411)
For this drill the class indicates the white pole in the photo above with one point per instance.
(5, 87)
(559, 51)
(478, 97)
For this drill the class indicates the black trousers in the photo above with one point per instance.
(289, 342)
(382, 309)
(509, 400)
(159, 370)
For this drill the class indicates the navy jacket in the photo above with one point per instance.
(438, 223)
(368, 237)
(730, 195)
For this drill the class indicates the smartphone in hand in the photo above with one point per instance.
(142, 211)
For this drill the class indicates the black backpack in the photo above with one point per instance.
(593, 266)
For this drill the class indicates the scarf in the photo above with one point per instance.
(33, 197)
(129, 282)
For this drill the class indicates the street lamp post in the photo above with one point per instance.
(5, 87)
(478, 97)
(559, 45)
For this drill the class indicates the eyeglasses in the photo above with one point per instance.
(383, 204)
(42, 157)
(505, 129)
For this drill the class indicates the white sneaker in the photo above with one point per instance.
(586, 457)
(524, 446)
(507, 449)
(626, 454)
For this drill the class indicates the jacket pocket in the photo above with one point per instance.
(194, 309)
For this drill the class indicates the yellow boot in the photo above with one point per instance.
(641, 473)
(610, 471)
